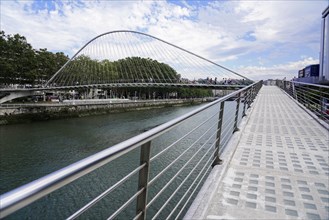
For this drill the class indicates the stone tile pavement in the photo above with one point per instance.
(280, 167)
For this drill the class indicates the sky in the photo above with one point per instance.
(257, 39)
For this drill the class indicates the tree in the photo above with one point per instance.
(84, 70)
(21, 64)
(17, 59)
(48, 64)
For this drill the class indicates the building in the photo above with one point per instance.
(311, 71)
(319, 73)
(310, 74)
(324, 49)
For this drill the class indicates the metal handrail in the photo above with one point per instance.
(313, 96)
(307, 84)
(195, 188)
(94, 201)
(126, 204)
(173, 162)
(177, 173)
(173, 144)
(164, 205)
(25, 195)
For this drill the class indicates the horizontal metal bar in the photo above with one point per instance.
(167, 148)
(125, 84)
(117, 212)
(227, 130)
(225, 141)
(196, 187)
(234, 100)
(138, 215)
(224, 144)
(182, 168)
(312, 99)
(174, 161)
(186, 178)
(228, 121)
(309, 101)
(309, 84)
(311, 89)
(94, 201)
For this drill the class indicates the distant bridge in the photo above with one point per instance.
(127, 85)
(125, 59)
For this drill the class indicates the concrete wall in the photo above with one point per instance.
(18, 94)
(10, 114)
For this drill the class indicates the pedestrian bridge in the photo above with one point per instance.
(255, 154)
(277, 169)
(130, 60)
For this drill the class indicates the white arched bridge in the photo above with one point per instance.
(123, 59)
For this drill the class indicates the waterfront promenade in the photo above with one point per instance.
(276, 166)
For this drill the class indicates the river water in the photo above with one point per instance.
(30, 151)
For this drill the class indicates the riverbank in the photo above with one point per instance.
(27, 113)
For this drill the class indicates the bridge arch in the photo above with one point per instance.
(125, 56)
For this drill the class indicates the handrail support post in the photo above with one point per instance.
(143, 180)
(237, 114)
(218, 161)
(245, 95)
(249, 97)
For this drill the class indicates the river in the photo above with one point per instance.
(30, 151)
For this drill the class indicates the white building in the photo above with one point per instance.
(324, 49)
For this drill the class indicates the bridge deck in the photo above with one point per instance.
(279, 169)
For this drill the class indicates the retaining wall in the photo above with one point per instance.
(22, 113)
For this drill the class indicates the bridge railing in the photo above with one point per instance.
(166, 167)
(313, 96)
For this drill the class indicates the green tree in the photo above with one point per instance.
(84, 70)
(17, 59)
(21, 64)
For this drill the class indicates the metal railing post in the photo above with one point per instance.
(259, 86)
(143, 180)
(235, 128)
(308, 95)
(248, 97)
(291, 91)
(245, 95)
(251, 96)
(254, 93)
(294, 91)
(218, 161)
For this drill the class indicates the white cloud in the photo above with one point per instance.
(282, 21)
(288, 70)
(223, 31)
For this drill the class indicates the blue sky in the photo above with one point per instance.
(259, 39)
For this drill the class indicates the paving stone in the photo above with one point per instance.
(280, 168)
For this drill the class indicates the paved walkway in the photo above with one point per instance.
(280, 169)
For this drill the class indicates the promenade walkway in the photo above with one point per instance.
(278, 170)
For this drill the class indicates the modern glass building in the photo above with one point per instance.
(324, 53)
